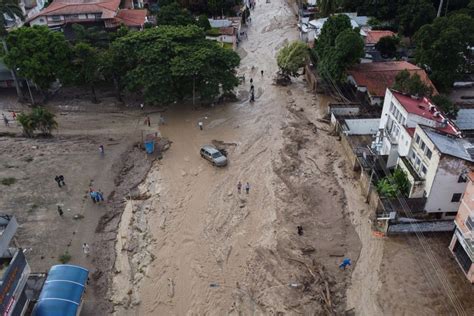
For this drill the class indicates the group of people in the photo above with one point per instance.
(246, 187)
(60, 180)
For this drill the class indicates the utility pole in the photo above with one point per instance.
(439, 8)
(15, 80)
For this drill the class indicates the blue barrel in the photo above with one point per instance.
(150, 146)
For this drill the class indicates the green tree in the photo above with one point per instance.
(443, 48)
(331, 29)
(292, 57)
(40, 54)
(335, 60)
(327, 7)
(169, 63)
(203, 22)
(175, 15)
(394, 184)
(445, 104)
(10, 9)
(94, 35)
(38, 119)
(86, 67)
(387, 46)
(414, 14)
(411, 84)
(215, 7)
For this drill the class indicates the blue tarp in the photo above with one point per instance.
(62, 291)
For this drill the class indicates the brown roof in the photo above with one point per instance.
(108, 8)
(227, 30)
(373, 37)
(131, 17)
(379, 76)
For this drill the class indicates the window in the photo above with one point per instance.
(417, 139)
(462, 178)
(450, 214)
(423, 169)
(412, 156)
(391, 107)
(422, 146)
(428, 153)
(456, 197)
(56, 18)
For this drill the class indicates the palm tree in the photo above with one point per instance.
(12, 9)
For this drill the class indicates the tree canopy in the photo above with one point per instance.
(203, 22)
(39, 54)
(411, 84)
(327, 7)
(414, 14)
(338, 48)
(174, 14)
(387, 46)
(292, 57)
(445, 104)
(443, 48)
(164, 62)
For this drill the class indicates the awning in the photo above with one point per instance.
(62, 291)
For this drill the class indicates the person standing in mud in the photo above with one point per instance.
(239, 187)
(58, 181)
(200, 125)
(101, 150)
(247, 188)
(60, 211)
(5, 120)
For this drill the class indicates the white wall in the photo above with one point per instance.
(362, 126)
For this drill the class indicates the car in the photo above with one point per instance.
(212, 154)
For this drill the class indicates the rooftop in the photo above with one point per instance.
(449, 145)
(421, 107)
(373, 37)
(129, 17)
(108, 8)
(379, 76)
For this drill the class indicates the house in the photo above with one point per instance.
(226, 35)
(373, 37)
(400, 116)
(310, 30)
(104, 13)
(436, 165)
(462, 96)
(372, 79)
(29, 8)
(462, 243)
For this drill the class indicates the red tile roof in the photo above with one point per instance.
(421, 107)
(108, 8)
(130, 17)
(379, 76)
(373, 37)
(410, 130)
(227, 30)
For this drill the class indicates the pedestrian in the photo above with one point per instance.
(141, 106)
(100, 195)
(252, 88)
(251, 80)
(93, 195)
(60, 211)
(239, 187)
(61, 179)
(346, 262)
(261, 71)
(58, 181)
(14, 115)
(200, 125)
(147, 121)
(300, 230)
(252, 97)
(101, 150)
(247, 188)
(85, 249)
(162, 120)
(5, 120)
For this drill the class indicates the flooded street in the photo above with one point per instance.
(200, 247)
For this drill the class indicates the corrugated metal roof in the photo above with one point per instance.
(465, 119)
(449, 145)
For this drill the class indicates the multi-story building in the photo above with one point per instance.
(400, 116)
(462, 244)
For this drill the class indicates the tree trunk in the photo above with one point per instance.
(17, 86)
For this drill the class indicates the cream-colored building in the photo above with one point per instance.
(437, 165)
(462, 244)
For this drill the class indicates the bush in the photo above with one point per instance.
(396, 183)
(65, 257)
(213, 32)
(38, 119)
(203, 22)
(8, 181)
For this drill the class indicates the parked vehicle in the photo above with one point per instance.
(212, 154)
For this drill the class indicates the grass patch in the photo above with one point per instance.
(65, 257)
(8, 181)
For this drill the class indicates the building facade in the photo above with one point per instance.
(462, 243)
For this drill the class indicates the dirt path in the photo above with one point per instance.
(202, 248)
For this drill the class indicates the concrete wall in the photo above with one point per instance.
(343, 109)
(445, 184)
(350, 155)
(311, 78)
(367, 126)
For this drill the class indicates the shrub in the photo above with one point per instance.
(38, 119)
(8, 181)
(65, 257)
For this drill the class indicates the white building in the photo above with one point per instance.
(437, 166)
(400, 116)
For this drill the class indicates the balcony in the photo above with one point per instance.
(417, 183)
(467, 243)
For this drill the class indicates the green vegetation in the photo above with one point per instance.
(411, 84)
(38, 119)
(174, 14)
(8, 181)
(387, 46)
(203, 22)
(292, 57)
(448, 107)
(214, 32)
(338, 48)
(396, 183)
(65, 257)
